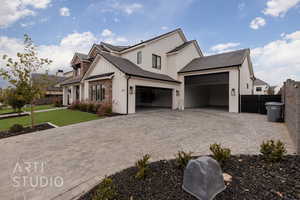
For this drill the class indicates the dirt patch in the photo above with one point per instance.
(252, 178)
(39, 127)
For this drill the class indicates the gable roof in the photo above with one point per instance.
(81, 56)
(229, 59)
(181, 46)
(114, 47)
(129, 68)
(259, 82)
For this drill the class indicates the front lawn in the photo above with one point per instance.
(57, 117)
(27, 109)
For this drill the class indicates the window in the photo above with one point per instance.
(258, 89)
(156, 61)
(247, 86)
(97, 92)
(139, 57)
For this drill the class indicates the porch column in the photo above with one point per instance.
(65, 96)
(80, 92)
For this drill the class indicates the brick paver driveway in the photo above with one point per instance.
(83, 153)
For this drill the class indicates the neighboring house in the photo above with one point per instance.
(261, 87)
(52, 84)
(165, 71)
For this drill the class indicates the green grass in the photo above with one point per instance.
(57, 117)
(41, 107)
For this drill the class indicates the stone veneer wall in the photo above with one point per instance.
(291, 98)
(107, 83)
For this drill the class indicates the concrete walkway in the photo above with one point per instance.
(28, 113)
(82, 154)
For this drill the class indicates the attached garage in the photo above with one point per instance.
(152, 98)
(209, 90)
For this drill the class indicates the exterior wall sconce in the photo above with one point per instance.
(177, 93)
(232, 92)
(130, 90)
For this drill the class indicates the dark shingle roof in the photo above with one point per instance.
(259, 82)
(229, 59)
(82, 56)
(71, 81)
(114, 47)
(99, 76)
(181, 46)
(130, 68)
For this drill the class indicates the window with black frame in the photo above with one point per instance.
(97, 92)
(156, 61)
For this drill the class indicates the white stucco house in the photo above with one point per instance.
(165, 71)
(260, 87)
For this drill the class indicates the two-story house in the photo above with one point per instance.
(261, 87)
(166, 71)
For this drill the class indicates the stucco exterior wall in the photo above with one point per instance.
(176, 62)
(160, 48)
(246, 83)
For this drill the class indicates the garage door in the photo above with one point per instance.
(152, 98)
(211, 90)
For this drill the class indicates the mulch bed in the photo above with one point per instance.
(39, 127)
(252, 178)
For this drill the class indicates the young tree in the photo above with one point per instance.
(18, 73)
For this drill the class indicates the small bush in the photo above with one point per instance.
(272, 151)
(83, 107)
(143, 167)
(16, 128)
(105, 191)
(105, 109)
(220, 154)
(91, 107)
(182, 158)
(58, 103)
(75, 105)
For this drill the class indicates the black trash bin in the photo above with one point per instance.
(274, 111)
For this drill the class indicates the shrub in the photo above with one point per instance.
(83, 107)
(105, 109)
(272, 151)
(182, 158)
(75, 105)
(16, 128)
(57, 102)
(220, 154)
(105, 191)
(15, 100)
(91, 107)
(143, 167)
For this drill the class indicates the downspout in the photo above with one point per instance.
(127, 94)
(239, 88)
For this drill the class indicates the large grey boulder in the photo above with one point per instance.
(203, 178)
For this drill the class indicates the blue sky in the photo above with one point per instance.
(60, 27)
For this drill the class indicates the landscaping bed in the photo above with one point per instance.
(252, 178)
(39, 127)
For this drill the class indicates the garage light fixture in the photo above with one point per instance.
(130, 90)
(232, 92)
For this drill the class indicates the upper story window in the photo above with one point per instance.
(258, 89)
(156, 61)
(139, 57)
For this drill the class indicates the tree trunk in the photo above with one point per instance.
(32, 115)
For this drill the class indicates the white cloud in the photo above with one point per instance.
(164, 28)
(127, 8)
(27, 24)
(107, 33)
(64, 12)
(257, 23)
(220, 48)
(61, 54)
(13, 10)
(277, 8)
(279, 59)
(116, 20)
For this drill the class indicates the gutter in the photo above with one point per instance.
(127, 94)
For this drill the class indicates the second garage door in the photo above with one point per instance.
(211, 90)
